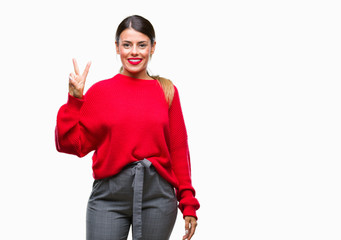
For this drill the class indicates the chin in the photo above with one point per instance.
(135, 71)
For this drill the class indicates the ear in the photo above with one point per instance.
(153, 48)
(117, 48)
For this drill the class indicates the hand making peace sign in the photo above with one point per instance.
(77, 82)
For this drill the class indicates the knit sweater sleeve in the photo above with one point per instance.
(72, 132)
(180, 157)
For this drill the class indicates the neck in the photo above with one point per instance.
(140, 75)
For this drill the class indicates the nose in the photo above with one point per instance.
(134, 50)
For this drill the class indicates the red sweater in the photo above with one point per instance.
(124, 119)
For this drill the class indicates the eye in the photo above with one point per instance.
(126, 45)
(143, 45)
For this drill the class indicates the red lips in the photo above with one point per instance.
(134, 61)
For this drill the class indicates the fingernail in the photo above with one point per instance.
(186, 232)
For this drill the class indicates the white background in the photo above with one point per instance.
(259, 84)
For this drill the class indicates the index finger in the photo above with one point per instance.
(75, 66)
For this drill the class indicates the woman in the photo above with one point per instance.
(135, 125)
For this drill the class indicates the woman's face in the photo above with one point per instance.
(135, 50)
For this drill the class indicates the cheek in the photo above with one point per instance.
(148, 51)
(123, 52)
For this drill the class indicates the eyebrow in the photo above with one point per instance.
(131, 42)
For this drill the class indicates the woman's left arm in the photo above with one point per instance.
(181, 164)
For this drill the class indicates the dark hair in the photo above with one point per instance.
(137, 23)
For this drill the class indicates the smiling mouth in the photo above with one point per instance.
(134, 61)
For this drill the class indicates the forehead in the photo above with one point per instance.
(132, 35)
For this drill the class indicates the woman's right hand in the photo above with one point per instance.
(77, 81)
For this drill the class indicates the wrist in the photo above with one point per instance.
(76, 95)
(189, 211)
(74, 102)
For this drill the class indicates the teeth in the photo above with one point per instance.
(134, 60)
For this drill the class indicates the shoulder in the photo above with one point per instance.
(99, 86)
(163, 80)
(102, 84)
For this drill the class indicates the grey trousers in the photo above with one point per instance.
(136, 196)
